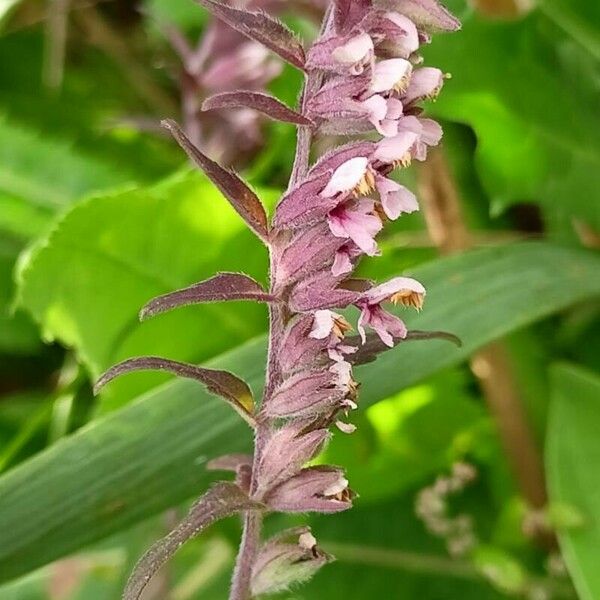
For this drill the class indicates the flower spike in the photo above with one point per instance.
(363, 75)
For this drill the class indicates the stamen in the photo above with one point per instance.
(366, 185)
(403, 162)
(408, 298)
(341, 327)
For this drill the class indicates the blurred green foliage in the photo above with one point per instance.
(99, 212)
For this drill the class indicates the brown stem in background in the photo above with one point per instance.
(99, 32)
(55, 43)
(504, 9)
(491, 365)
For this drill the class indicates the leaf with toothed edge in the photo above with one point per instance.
(222, 383)
(242, 198)
(221, 287)
(373, 345)
(263, 103)
(222, 500)
(260, 27)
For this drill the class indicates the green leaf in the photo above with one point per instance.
(536, 143)
(40, 176)
(18, 335)
(86, 283)
(149, 455)
(572, 458)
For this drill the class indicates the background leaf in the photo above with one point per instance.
(572, 458)
(528, 149)
(148, 456)
(189, 234)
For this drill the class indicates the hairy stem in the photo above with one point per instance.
(278, 315)
(240, 587)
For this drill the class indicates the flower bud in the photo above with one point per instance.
(320, 489)
(289, 558)
(286, 452)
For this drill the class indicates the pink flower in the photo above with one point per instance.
(397, 149)
(321, 489)
(425, 84)
(326, 323)
(386, 326)
(355, 220)
(355, 53)
(383, 113)
(395, 198)
(399, 290)
(403, 290)
(391, 75)
(346, 177)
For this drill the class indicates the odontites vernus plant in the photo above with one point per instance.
(363, 74)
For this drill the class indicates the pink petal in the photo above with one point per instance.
(409, 42)
(381, 292)
(346, 177)
(354, 51)
(394, 108)
(395, 198)
(431, 132)
(390, 150)
(323, 324)
(424, 83)
(342, 264)
(388, 74)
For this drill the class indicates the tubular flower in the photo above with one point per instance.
(360, 77)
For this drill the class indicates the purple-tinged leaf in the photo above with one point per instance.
(368, 351)
(242, 198)
(320, 489)
(319, 292)
(260, 27)
(229, 462)
(303, 205)
(222, 383)
(221, 287)
(429, 15)
(263, 103)
(335, 158)
(349, 13)
(309, 251)
(286, 451)
(222, 500)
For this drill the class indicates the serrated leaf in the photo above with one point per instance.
(188, 233)
(71, 494)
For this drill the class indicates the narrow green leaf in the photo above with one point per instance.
(572, 459)
(150, 455)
